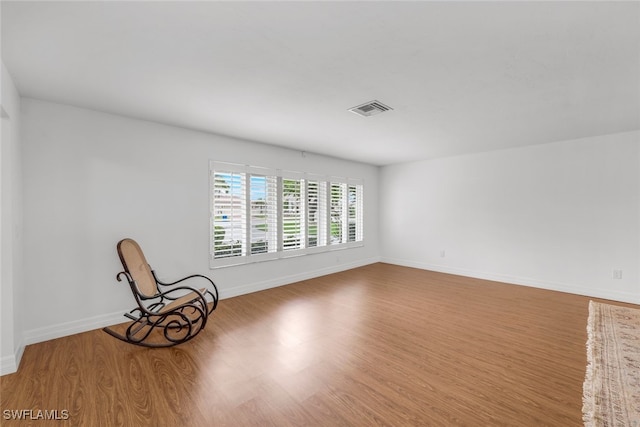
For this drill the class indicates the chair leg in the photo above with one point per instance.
(163, 330)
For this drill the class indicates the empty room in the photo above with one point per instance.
(319, 213)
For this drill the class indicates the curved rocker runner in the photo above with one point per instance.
(163, 318)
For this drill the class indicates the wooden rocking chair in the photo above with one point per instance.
(163, 318)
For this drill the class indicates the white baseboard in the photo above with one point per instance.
(34, 336)
(59, 330)
(286, 280)
(522, 281)
(9, 364)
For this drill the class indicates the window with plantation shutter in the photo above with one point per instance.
(259, 214)
(229, 219)
(338, 212)
(316, 213)
(263, 214)
(354, 207)
(293, 214)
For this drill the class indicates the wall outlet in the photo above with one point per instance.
(442, 253)
(617, 274)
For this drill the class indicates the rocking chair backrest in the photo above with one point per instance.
(136, 265)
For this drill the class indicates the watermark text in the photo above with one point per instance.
(35, 414)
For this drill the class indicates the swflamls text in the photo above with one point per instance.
(35, 414)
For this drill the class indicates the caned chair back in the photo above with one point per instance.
(136, 265)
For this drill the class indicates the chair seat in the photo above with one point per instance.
(182, 300)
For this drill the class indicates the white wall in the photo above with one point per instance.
(559, 216)
(91, 179)
(11, 291)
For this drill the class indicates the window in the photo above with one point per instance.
(316, 213)
(293, 214)
(354, 207)
(229, 214)
(338, 210)
(259, 214)
(263, 214)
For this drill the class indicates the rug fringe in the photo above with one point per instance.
(588, 410)
(611, 389)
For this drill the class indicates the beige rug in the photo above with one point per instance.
(612, 384)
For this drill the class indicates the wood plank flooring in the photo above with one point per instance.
(377, 345)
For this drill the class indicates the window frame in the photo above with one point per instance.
(319, 208)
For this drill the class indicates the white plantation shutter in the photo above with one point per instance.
(229, 213)
(259, 214)
(293, 209)
(338, 206)
(346, 216)
(263, 224)
(316, 212)
(355, 205)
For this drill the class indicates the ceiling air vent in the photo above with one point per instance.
(370, 108)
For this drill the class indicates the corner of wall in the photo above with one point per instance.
(10, 225)
(9, 364)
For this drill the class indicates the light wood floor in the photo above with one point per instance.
(378, 345)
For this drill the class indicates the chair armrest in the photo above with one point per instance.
(161, 283)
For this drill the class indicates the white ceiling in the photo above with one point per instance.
(461, 76)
